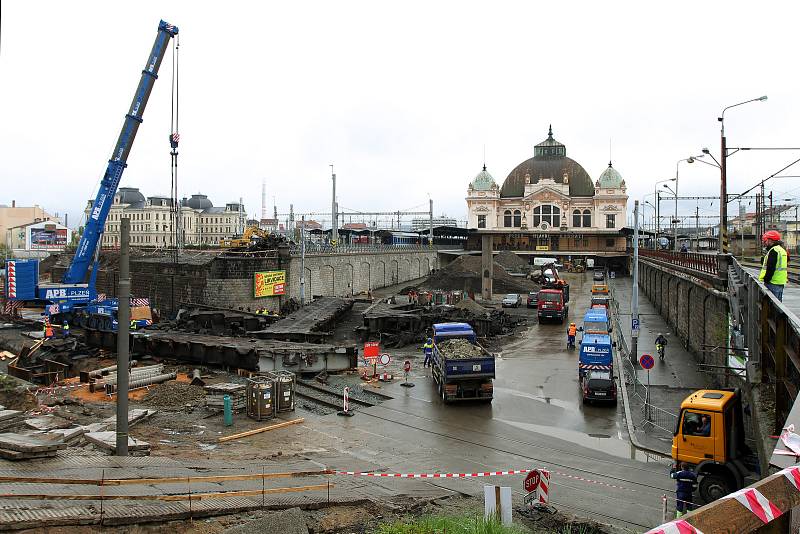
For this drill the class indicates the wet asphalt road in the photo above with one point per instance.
(536, 419)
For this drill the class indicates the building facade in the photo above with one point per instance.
(549, 203)
(201, 223)
(13, 216)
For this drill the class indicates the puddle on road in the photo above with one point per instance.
(567, 405)
(615, 446)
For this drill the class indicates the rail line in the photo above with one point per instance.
(325, 396)
(794, 272)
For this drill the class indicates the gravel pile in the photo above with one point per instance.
(459, 349)
(174, 394)
(464, 273)
(291, 521)
(511, 261)
(472, 307)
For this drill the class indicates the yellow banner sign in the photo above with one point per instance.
(270, 283)
(542, 247)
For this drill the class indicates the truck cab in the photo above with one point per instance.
(553, 304)
(709, 436)
(596, 321)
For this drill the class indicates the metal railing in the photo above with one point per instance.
(355, 248)
(651, 414)
(704, 263)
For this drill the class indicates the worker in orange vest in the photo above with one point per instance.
(47, 329)
(571, 332)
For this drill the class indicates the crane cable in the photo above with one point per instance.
(174, 138)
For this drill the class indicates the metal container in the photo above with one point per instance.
(260, 398)
(284, 390)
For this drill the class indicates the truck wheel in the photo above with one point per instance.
(713, 487)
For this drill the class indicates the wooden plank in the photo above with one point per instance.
(262, 429)
(163, 480)
(179, 497)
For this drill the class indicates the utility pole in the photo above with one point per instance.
(723, 192)
(430, 224)
(658, 217)
(123, 336)
(334, 215)
(697, 228)
(303, 260)
(634, 355)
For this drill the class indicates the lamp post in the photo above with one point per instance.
(658, 204)
(723, 187)
(675, 219)
(690, 159)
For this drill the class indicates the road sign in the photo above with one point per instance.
(372, 350)
(385, 359)
(612, 274)
(635, 324)
(532, 481)
(647, 361)
(407, 366)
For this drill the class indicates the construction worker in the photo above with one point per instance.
(685, 482)
(571, 332)
(47, 329)
(65, 329)
(427, 348)
(774, 272)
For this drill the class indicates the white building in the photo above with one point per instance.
(202, 223)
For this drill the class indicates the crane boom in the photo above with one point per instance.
(76, 273)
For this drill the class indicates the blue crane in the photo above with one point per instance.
(75, 291)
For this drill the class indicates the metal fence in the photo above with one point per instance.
(355, 248)
(652, 415)
(704, 263)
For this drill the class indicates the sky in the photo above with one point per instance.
(404, 98)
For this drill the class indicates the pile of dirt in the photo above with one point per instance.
(175, 394)
(15, 397)
(459, 349)
(471, 306)
(512, 262)
(465, 273)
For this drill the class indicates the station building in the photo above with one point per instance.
(549, 205)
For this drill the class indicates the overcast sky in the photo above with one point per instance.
(402, 97)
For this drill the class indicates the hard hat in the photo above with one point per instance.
(572, 324)
(772, 234)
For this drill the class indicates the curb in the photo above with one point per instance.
(626, 404)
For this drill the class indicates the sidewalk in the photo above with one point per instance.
(671, 381)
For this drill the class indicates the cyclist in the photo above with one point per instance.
(661, 343)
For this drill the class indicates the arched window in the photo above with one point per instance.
(507, 219)
(517, 218)
(576, 218)
(587, 219)
(547, 213)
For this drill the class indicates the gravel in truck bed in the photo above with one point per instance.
(459, 349)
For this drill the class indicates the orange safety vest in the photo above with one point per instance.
(572, 330)
(48, 329)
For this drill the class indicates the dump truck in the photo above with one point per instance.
(710, 437)
(461, 367)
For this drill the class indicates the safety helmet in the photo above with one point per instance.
(572, 324)
(430, 340)
(771, 234)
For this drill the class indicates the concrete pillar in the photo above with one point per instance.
(487, 267)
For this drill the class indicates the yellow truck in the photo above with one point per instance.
(710, 437)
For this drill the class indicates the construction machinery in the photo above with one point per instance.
(554, 295)
(74, 294)
(246, 238)
(710, 437)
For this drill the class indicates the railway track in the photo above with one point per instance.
(326, 396)
(794, 272)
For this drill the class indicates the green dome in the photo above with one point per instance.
(610, 178)
(483, 181)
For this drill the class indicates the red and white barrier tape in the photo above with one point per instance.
(792, 474)
(51, 389)
(754, 500)
(678, 526)
(435, 475)
(791, 441)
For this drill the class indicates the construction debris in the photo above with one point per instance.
(512, 262)
(465, 273)
(215, 396)
(459, 349)
(174, 394)
(23, 446)
(107, 442)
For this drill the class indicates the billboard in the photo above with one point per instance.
(269, 283)
(47, 237)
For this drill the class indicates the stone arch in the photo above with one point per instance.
(364, 281)
(425, 266)
(394, 273)
(404, 270)
(415, 269)
(380, 274)
(327, 276)
(346, 289)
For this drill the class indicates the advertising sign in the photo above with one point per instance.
(48, 238)
(269, 283)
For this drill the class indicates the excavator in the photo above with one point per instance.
(245, 240)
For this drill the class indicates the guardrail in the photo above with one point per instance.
(704, 263)
(359, 249)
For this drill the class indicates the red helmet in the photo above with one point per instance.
(772, 234)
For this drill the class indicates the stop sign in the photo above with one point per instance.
(532, 481)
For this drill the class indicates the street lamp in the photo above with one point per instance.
(690, 159)
(675, 219)
(658, 204)
(723, 187)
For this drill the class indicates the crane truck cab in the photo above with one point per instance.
(709, 436)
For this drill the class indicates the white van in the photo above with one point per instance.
(538, 262)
